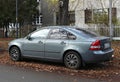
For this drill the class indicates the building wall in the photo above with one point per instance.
(47, 13)
(80, 5)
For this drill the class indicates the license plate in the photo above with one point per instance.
(106, 45)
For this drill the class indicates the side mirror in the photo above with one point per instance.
(29, 38)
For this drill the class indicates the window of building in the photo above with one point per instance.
(99, 15)
(71, 18)
(37, 20)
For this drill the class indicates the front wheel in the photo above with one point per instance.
(72, 60)
(14, 53)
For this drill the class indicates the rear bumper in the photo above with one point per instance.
(100, 56)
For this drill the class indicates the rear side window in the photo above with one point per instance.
(58, 34)
(55, 34)
(85, 33)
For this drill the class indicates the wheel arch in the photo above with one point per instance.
(14, 46)
(73, 51)
(18, 48)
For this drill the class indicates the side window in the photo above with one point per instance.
(58, 34)
(55, 34)
(71, 36)
(40, 34)
(63, 34)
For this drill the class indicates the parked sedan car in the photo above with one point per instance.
(68, 44)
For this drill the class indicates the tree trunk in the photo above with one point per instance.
(6, 33)
(63, 12)
(6, 30)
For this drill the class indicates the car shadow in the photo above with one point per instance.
(94, 66)
(98, 66)
(38, 61)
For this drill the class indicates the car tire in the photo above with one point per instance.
(15, 53)
(72, 60)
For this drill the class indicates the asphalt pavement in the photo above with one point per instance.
(17, 74)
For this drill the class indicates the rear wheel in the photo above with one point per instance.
(14, 53)
(72, 60)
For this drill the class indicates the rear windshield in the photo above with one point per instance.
(85, 33)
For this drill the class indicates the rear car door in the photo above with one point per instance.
(56, 43)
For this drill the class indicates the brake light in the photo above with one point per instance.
(95, 45)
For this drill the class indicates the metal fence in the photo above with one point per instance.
(12, 31)
(26, 29)
(105, 31)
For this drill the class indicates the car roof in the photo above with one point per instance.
(59, 27)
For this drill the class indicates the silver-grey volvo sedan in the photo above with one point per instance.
(71, 45)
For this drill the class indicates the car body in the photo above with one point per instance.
(68, 44)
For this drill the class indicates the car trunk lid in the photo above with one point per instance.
(103, 42)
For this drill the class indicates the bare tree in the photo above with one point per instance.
(63, 12)
(60, 6)
(114, 2)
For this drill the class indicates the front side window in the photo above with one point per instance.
(40, 34)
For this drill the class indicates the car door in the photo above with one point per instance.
(55, 44)
(34, 44)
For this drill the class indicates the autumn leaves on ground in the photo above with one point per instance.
(109, 71)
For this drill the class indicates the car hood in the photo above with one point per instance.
(17, 40)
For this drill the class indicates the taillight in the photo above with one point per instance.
(95, 45)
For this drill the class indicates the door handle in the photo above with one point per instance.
(40, 42)
(63, 43)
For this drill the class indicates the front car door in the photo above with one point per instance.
(34, 45)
